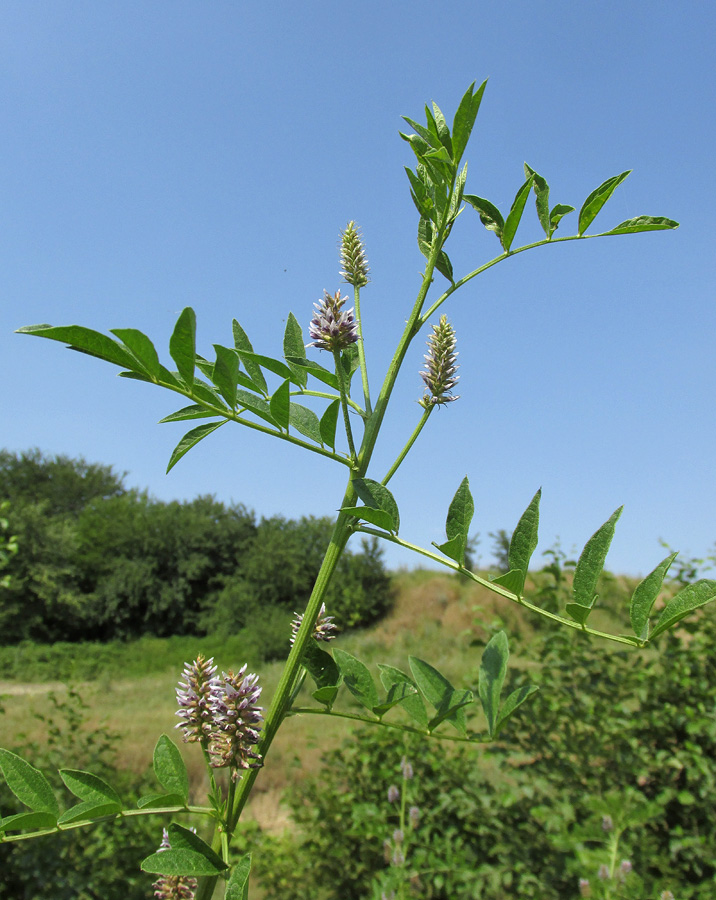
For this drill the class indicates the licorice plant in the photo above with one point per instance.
(220, 712)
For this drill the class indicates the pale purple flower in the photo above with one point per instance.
(585, 888)
(398, 858)
(406, 769)
(625, 867)
(332, 327)
(666, 895)
(325, 629)
(607, 823)
(414, 816)
(398, 836)
(393, 794)
(194, 696)
(440, 368)
(237, 720)
(603, 873)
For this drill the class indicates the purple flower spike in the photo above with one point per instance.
(332, 327)
(194, 696)
(325, 629)
(440, 368)
(237, 722)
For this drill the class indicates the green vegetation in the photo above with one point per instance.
(99, 562)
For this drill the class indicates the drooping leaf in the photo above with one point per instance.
(377, 496)
(328, 423)
(465, 119)
(191, 439)
(438, 691)
(357, 679)
(189, 855)
(513, 702)
(692, 597)
(238, 885)
(453, 549)
(596, 200)
(326, 695)
(457, 524)
(28, 821)
(541, 189)
(141, 347)
(432, 140)
(493, 668)
(644, 597)
(444, 266)
(490, 215)
(306, 422)
(589, 568)
(169, 768)
(320, 666)
(350, 360)
(515, 214)
(182, 345)
(28, 784)
(412, 703)
(94, 343)
(89, 787)
(644, 223)
(242, 343)
(280, 405)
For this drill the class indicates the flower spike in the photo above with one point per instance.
(354, 265)
(439, 373)
(332, 327)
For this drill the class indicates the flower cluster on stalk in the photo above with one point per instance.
(221, 713)
(354, 265)
(324, 630)
(173, 887)
(332, 327)
(440, 367)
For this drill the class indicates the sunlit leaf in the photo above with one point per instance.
(687, 600)
(596, 200)
(189, 412)
(320, 665)
(438, 691)
(280, 405)
(256, 405)
(28, 821)
(645, 595)
(644, 223)
(328, 423)
(89, 787)
(377, 496)
(490, 215)
(306, 422)
(226, 373)
(589, 568)
(28, 784)
(465, 119)
(191, 439)
(493, 668)
(541, 189)
(515, 214)
(170, 769)
(182, 345)
(89, 809)
(412, 703)
(357, 679)
(238, 885)
(513, 703)
(242, 343)
(86, 340)
(141, 347)
(189, 855)
(559, 211)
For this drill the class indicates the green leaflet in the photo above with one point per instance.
(690, 598)
(188, 412)
(306, 422)
(94, 343)
(493, 668)
(438, 691)
(541, 189)
(596, 200)
(88, 809)
(90, 787)
(315, 369)
(257, 405)
(377, 496)
(169, 768)
(357, 679)
(457, 524)
(225, 374)
(465, 119)
(328, 423)
(28, 821)
(515, 214)
(280, 405)
(243, 344)
(189, 855)
(182, 345)
(589, 568)
(559, 211)
(490, 215)
(191, 439)
(28, 784)
(524, 539)
(644, 223)
(320, 666)
(412, 703)
(512, 704)
(645, 595)
(238, 886)
(141, 348)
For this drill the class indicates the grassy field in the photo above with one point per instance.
(437, 617)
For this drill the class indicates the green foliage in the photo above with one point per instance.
(77, 864)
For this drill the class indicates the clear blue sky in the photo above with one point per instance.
(165, 154)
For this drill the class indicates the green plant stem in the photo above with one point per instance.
(318, 711)
(116, 817)
(344, 403)
(361, 350)
(411, 440)
(498, 589)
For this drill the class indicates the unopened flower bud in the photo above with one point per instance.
(398, 858)
(603, 873)
(414, 816)
(332, 327)
(439, 373)
(393, 794)
(406, 769)
(354, 265)
(625, 867)
(398, 836)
